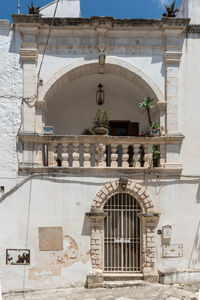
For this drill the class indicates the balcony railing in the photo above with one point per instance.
(40, 151)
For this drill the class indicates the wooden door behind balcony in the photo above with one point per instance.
(124, 128)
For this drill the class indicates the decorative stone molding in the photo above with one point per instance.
(40, 105)
(172, 57)
(149, 220)
(193, 29)
(5, 24)
(114, 65)
(29, 54)
(132, 188)
(149, 223)
(161, 105)
(79, 156)
(172, 61)
(95, 280)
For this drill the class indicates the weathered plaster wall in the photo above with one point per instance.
(189, 113)
(63, 201)
(10, 98)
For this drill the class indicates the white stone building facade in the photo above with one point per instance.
(106, 212)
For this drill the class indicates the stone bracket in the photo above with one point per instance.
(172, 57)
(29, 54)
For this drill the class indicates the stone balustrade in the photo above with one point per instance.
(40, 151)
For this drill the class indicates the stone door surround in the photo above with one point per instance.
(149, 220)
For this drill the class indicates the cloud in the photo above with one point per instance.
(163, 2)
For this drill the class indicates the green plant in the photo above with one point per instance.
(147, 105)
(33, 10)
(101, 119)
(155, 125)
(171, 11)
(87, 131)
(156, 153)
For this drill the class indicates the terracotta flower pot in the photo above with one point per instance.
(101, 131)
(155, 132)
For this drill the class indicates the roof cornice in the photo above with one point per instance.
(102, 21)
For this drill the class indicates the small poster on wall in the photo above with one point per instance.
(17, 256)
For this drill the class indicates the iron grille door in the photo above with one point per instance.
(122, 249)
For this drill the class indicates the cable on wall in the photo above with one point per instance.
(47, 41)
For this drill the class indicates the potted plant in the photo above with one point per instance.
(156, 155)
(86, 131)
(101, 122)
(33, 10)
(171, 11)
(154, 128)
(147, 105)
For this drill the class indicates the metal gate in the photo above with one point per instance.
(122, 242)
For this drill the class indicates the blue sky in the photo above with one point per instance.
(115, 8)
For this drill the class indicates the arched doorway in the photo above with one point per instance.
(137, 207)
(122, 234)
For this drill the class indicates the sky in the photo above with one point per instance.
(152, 9)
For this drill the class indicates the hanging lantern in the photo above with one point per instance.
(100, 96)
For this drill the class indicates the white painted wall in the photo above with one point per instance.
(65, 9)
(10, 97)
(63, 201)
(189, 104)
(190, 9)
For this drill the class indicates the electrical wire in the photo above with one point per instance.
(50, 174)
(47, 41)
(30, 100)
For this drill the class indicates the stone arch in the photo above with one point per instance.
(149, 220)
(132, 188)
(114, 65)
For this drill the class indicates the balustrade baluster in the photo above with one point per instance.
(87, 156)
(53, 154)
(151, 155)
(125, 156)
(114, 156)
(100, 155)
(162, 156)
(136, 156)
(147, 161)
(76, 155)
(65, 155)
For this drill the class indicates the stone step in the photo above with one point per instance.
(120, 284)
(122, 276)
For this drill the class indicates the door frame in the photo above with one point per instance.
(149, 219)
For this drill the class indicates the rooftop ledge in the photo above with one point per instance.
(96, 20)
(5, 23)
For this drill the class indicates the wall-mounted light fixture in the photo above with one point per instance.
(100, 95)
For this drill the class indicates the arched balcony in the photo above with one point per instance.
(70, 107)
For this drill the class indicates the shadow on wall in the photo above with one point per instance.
(198, 194)
(86, 227)
(5, 31)
(194, 261)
